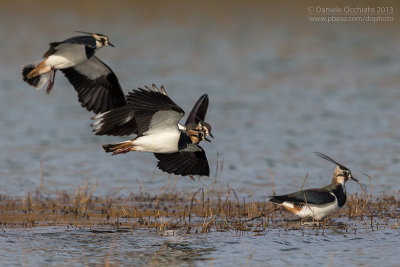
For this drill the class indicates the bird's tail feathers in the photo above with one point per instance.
(39, 69)
(38, 81)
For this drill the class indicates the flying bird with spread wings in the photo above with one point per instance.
(154, 118)
(97, 85)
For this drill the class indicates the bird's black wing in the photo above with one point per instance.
(85, 40)
(189, 161)
(97, 85)
(119, 121)
(199, 111)
(310, 196)
(154, 111)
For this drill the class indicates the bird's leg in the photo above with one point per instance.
(54, 74)
(51, 81)
(191, 177)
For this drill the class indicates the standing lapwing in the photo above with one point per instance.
(154, 118)
(318, 203)
(97, 85)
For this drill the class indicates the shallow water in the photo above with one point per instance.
(279, 89)
(274, 247)
(277, 95)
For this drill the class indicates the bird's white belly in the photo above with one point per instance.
(318, 212)
(158, 143)
(312, 211)
(67, 58)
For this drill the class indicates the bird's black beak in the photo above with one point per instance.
(352, 178)
(208, 140)
(211, 134)
(110, 44)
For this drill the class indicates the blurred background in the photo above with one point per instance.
(280, 88)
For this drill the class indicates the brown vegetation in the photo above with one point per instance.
(199, 212)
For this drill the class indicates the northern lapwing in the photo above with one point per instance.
(154, 118)
(120, 121)
(318, 203)
(97, 85)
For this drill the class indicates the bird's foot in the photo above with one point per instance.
(123, 150)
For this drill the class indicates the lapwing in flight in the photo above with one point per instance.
(318, 203)
(120, 121)
(154, 118)
(97, 85)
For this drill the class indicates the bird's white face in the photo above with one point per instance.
(196, 136)
(199, 132)
(101, 40)
(342, 175)
(207, 129)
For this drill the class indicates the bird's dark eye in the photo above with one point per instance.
(346, 173)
